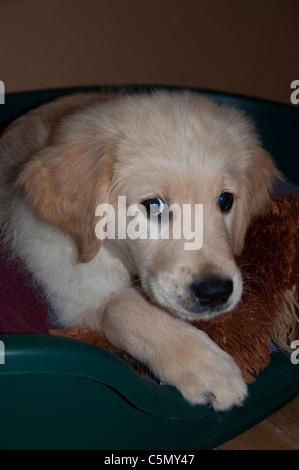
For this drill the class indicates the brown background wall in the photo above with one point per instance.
(247, 47)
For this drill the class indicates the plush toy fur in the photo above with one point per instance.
(269, 308)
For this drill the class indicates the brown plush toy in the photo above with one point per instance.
(269, 308)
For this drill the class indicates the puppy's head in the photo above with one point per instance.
(158, 152)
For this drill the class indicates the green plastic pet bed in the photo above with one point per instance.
(61, 393)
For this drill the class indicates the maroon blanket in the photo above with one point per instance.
(22, 307)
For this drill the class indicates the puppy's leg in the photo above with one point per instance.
(177, 353)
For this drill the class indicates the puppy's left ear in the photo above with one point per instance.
(64, 182)
(258, 184)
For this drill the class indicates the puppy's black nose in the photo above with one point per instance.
(212, 292)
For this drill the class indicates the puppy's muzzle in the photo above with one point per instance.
(211, 293)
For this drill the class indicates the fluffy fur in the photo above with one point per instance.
(60, 161)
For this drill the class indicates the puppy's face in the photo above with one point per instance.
(159, 153)
(198, 158)
(184, 250)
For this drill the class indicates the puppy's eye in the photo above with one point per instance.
(226, 201)
(154, 207)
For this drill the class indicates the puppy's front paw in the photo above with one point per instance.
(207, 374)
(217, 381)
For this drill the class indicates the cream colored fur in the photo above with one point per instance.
(60, 161)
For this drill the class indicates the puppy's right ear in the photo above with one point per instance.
(259, 179)
(64, 183)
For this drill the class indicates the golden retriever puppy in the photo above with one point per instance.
(75, 166)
